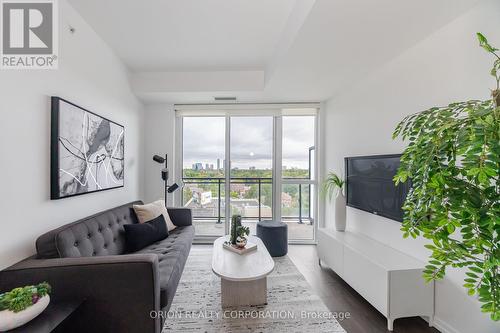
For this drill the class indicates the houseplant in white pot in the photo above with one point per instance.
(21, 305)
(333, 186)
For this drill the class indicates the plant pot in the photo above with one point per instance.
(241, 242)
(10, 320)
(340, 212)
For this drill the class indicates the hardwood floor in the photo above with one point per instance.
(338, 296)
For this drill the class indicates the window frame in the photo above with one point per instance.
(277, 111)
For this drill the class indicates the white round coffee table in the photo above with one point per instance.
(243, 277)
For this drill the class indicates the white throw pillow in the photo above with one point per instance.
(161, 205)
(152, 210)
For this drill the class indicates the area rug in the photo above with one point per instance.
(292, 306)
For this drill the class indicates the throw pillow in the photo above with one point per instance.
(149, 211)
(161, 205)
(140, 235)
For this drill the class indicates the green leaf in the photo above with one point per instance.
(472, 275)
(475, 269)
(483, 42)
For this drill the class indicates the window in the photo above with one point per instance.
(298, 147)
(203, 174)
(298, 173)
(251, 181)
(259, 164)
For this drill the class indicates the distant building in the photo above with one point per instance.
(250, 208)
(211, 166)
(286, 199)
(252, 168)
(201, 196)
(241, 189)
(198, 166)
(218, 164)
(253, 211)
(204, 205)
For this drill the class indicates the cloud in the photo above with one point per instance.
(251, 141)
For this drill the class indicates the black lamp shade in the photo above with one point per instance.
(159, 159)
(172, 187)
(164, 174)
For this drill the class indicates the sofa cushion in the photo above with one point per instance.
(172, 255)
(152, 210)
(97, 235)
(140, 235)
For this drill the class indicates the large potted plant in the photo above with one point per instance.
(453, 161)
(333, 186)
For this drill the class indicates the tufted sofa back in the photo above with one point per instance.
(97, 235)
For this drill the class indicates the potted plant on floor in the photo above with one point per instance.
(333, 186)
(21, 305)
(453, 161)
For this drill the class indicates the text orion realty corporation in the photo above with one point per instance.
(29, 34)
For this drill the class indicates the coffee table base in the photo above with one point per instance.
(238, 293)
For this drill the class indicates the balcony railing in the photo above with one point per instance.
(251, 197)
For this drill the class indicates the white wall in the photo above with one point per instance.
(89, 75)
(445, 67)
(159, 137)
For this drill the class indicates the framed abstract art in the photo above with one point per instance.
(87, 151)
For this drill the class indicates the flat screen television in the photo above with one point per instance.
(370, 186)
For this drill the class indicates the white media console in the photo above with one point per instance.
(387, 278)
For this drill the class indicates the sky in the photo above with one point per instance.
(251, 141)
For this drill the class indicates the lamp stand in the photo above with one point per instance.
(165, 179)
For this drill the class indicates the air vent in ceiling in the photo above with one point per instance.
(225, 99)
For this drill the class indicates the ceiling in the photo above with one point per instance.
(152, 35)
(188, 51)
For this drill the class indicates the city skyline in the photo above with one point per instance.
(203, 166)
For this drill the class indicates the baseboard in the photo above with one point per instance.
(443, 326)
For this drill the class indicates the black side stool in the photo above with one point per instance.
(274, 235)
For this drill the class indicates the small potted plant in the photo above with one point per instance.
(242, 232)
(235, 224)
(334, 186)
(20, 305)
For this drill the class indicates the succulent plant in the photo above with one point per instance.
(19, 299)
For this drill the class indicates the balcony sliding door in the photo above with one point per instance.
(203, 173)
(251, 182)
(298, 174)
(260, 166)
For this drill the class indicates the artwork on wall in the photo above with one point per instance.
(87, 151)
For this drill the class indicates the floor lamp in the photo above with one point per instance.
(164, 175)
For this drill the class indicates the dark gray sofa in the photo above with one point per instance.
(87, 260)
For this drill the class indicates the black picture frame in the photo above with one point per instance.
(55, 146)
